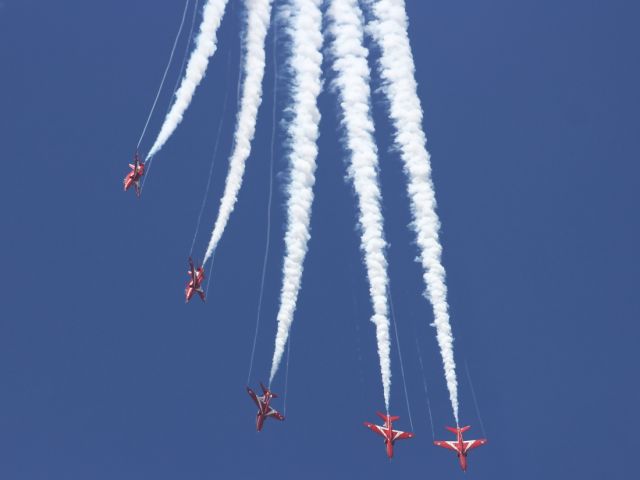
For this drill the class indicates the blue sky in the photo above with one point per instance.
(531, 111)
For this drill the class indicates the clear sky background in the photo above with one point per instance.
(531, 111)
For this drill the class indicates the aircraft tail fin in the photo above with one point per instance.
(390, 418)
(456, 430)
(265, 390)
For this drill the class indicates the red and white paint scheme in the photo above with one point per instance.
(460, 445)
(133, 177)
(264, 408)
(195, 282)
(390, 435)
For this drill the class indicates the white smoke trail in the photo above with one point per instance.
(305, 62)
(389, 30)
(206, 45)
(258, 16)
(352, 81)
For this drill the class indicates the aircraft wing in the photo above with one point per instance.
(449, 445)
(375, 428)
(274, 413)
(398, 435)
(469, 444)
(252, 394)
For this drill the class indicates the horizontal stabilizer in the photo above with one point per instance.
(389, 418)
(456, 430)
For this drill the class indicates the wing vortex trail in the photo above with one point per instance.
(475, 400)
(404, 380)
(426, 389)
(274, 102)
(206, 45)
(175, 86)
(213, 158)
(164, 75)
(258, 19)
(389, 30)
(304, 29)
(346, 26)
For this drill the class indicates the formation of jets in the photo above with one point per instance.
(196, 276)
(386, 431)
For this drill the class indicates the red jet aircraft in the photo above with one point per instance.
(390, 435)
(264, 409)
(195, 282)
(133, 177)
(460, 446)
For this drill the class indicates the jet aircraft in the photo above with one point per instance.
(195, 281)
(390, 435)
(264, 408)
(133, 177)
(460, 445)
